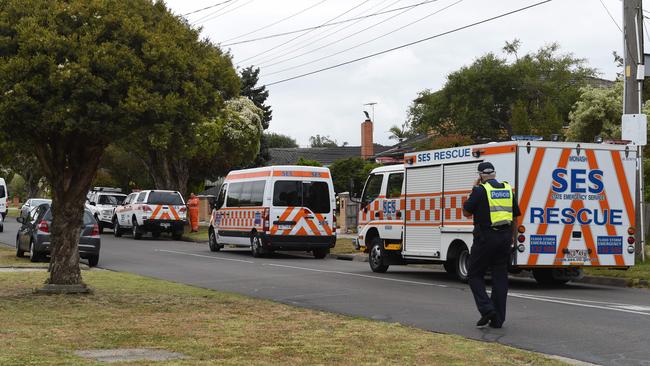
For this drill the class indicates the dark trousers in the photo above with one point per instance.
(491, 249)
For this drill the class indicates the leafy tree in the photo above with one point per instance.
(118, 168)
(596, 113)
(275, 140)
(258, 94)
(322, 141)
(444, 142)
(81, 74)
(479, 100)
(353, 170)
(399, 133)
(308, 162)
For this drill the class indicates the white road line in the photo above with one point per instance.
(204, 256)
(578, 300)
(357, 275)
(532, 297)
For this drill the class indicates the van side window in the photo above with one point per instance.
(234, 194)
(394, 189)
(373, 187)
(287, 193)
(141, 197)
(3, 194)
(257, 192)
(222, 196)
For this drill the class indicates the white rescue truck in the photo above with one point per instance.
(577, 204)
(275, 208)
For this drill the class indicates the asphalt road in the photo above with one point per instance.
(603, 325)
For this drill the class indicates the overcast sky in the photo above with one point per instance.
(331, 102)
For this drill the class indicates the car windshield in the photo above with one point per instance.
(88, 217)
(313, 195)
(165, 198)
(114, 200)
(37, 202)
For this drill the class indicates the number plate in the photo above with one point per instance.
(165, 225)
(284, 227)
(578, 255)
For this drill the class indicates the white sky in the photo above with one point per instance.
(331, 102)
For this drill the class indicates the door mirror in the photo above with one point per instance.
(92, 203)
(20, 219)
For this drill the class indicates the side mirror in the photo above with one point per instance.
(92, 203)
(20, 219)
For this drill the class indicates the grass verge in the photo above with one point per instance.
(636, 276)
(343, 246)
(8, 259)
(199, 236)
(129, 311)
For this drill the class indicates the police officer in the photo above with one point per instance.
(494, 209)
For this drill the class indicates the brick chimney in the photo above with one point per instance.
(367, 145)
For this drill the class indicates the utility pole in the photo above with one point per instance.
(633, 74)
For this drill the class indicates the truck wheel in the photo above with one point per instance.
(256, 246)
(450, 266)
(462, 265)
(376, 256)
(137, 234)
(93, 260)
(321, 253)
(544, 277)
(212, 242)
(117, 229)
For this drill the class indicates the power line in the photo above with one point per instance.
(610, 15)
(366, 42)
(233, 2)
(410, 43)
(226, 12)
(277, 22)
(206, 8)
(327, 25)
(300, 35)
(312, 41)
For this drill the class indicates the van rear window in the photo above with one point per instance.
(3, 194)
(292, 193)
(165, 198)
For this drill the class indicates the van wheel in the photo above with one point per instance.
(321, 253)
(256, 246)
(462, 265)
(376, 256)
(117, 230)
(212, 242)
(137, 234)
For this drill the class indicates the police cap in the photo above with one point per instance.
(486, 168)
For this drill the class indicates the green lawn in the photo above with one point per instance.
(212, 328)
(343, 246)
(199, 236)
(637, 276)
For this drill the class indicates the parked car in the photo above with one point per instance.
(34, 235)
(102, 202)
(151, 211)
(31, 203)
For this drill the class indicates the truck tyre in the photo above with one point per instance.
(93, 260)
(376, 256)
(450, 266)
(117, 229)
(321, 253)
(256, 246)
(212, 241)
(462, 265)
(544, 277)
(137, 234)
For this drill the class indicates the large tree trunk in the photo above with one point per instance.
(70, 168)
(167, 171)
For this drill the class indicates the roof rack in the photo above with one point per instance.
(107, 189)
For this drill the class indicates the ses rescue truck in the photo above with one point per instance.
(275, 208)
(577, 204)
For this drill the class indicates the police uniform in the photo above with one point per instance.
(494, 208)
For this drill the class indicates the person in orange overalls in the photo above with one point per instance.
(193, 204)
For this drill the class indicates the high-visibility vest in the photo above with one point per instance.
(500, 203)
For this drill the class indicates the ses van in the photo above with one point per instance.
(577, 204)
(275, 208)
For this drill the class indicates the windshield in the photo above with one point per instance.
(313, 195)
(88, 217)
(165, 198)
(38, 202)
(114, 200)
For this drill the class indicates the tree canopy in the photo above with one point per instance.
(275, 140)
(493, 98)
(353, 170)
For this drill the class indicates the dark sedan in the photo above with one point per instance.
(34, 235)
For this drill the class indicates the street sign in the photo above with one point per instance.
(635, 128)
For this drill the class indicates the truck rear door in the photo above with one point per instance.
(577, 204)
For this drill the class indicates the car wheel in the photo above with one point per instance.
(137, 234)
(256, 246)
(376, 257)
(156, 234)
(93, 260)
(212, 242)
(117, 230)
(462, 265)
(177, 235)
(19, 252)
(33, 255)
(321, 253)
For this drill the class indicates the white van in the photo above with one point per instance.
(3, 198)
(275, 208)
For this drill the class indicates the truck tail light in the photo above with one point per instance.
(183, 210)
(146, 208)
(630, 240)
(265, 220)
(521, 229)
(631, 230)
(43, 227)
(521, 238)
(95, 232)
